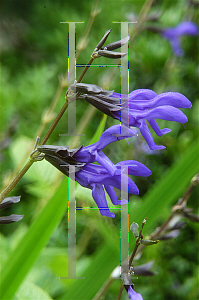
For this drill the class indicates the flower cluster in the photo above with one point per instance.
(98, 177)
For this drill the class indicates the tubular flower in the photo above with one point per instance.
(97, 177)
(133, 295)
(139, 106)
(174, 34)
(88, 154)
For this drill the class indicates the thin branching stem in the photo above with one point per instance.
(137, 243)
(17, 178)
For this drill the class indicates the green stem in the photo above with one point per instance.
(54, 124)
(137, 243)
(21, 173)
(16, 180)
(85, 70)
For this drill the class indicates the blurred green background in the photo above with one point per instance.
(34, 55)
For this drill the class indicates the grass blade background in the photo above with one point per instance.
(99, 130)
(169, 189)
(27, 251)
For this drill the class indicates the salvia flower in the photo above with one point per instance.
(133, 295)
(174, 34)
(88, 154)
(97, 177)
(129, 286)
(6, 203)
(140, 106)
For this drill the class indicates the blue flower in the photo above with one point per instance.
(98, 177)
(144, 104)
(94, 152)
(133, 295)
(174, 34)
(141, 105)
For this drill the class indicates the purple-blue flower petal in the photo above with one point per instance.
(186, 28)
(164, 112)
(133, 295)
(174, 34)
(90, 174)
(109, 136)
(104, 161)
(169, 98)
(110, 191)
(135, 168)
(142, 94)
(157, 129)
(116, 182)
(100, 199)
(93, 152)
(148, 137)
(176, 46)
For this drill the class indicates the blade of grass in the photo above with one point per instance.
(99, 130)
(169, 188)
(28, 249)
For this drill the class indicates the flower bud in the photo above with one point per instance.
(148, 242)
(134, 228)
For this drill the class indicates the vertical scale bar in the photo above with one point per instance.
(72, 227)
(124, 74)
(124, 238)
(124, 234)
(124, 179)
(71, 78)
(71, 131)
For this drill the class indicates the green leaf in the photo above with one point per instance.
(170, 187)
(99, 130)
(95, 276)
(27, 251)
(30, 291)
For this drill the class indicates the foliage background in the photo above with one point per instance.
(33, 55)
